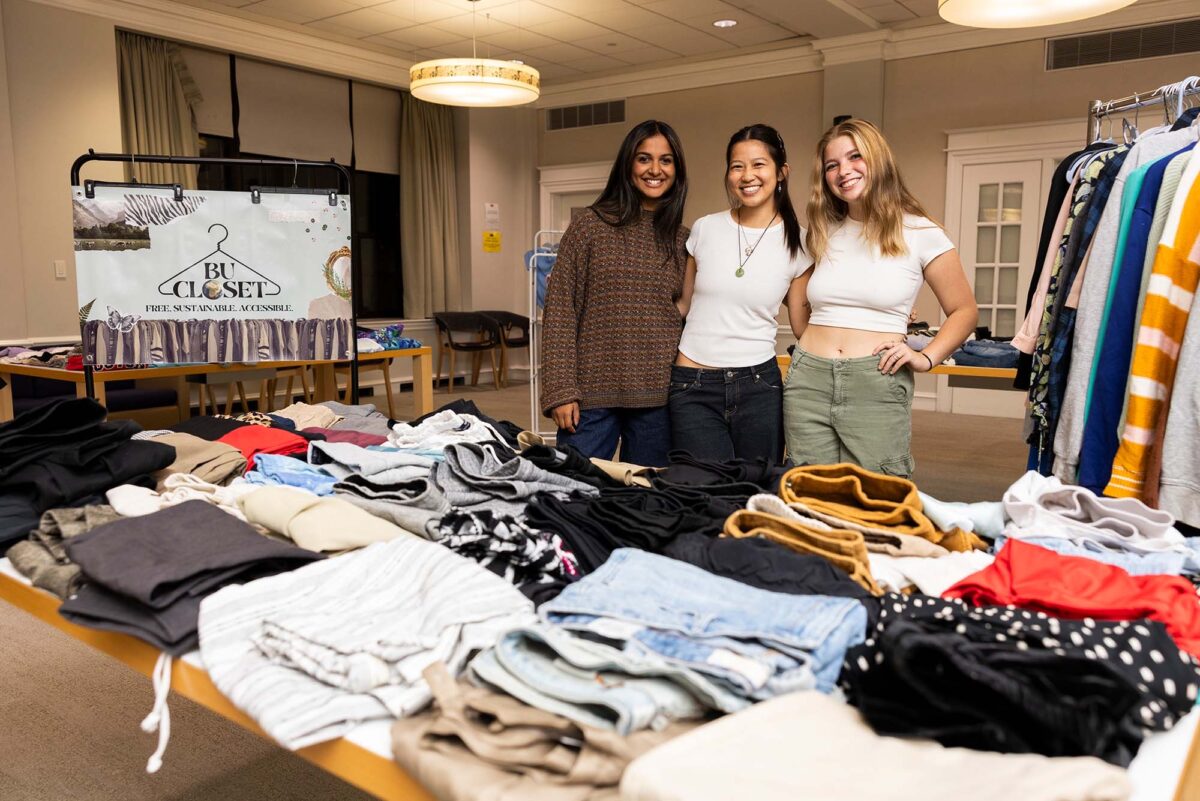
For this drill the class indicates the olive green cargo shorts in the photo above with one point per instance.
(845, 410)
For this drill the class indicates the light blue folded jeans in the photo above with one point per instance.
(757, 643)
(593, 683)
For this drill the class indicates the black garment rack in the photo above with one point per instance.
(345, 177)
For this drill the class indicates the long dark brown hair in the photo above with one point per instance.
(621, 203)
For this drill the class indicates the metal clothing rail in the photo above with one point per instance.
(542, 240)
(1164, 95)
(345, 178)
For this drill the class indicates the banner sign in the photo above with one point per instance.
(214, 277)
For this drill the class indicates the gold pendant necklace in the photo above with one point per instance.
(749, 249)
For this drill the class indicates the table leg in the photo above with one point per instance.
(100, 396)
(325, 384)
(423, 383)
(6, 402)
(183, 397)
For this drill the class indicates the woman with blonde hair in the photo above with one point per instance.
(848, 393)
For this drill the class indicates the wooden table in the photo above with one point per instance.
(325, 389)
(362, 767)
(371, 768)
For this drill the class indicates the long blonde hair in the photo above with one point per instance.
(886, 199)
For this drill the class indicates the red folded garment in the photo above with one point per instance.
(347, 435)
(253, 440)
(1039, 579)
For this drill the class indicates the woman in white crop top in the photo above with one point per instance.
(848, 394)
(726, 396)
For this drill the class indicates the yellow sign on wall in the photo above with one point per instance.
(491, 241)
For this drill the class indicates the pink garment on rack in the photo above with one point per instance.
(1026, 338)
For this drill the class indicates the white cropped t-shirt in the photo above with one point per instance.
(854, 286)
(731, 321)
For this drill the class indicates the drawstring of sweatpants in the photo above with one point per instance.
(159, 718)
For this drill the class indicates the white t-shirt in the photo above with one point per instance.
(731, 322)
(853, 286)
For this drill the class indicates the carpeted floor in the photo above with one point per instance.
(69, 717)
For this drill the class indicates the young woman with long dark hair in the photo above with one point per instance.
(726, 397)
(611, 326)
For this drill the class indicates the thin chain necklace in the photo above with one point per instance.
(749, 249)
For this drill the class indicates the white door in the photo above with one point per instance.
(566, 205)
(999, 225)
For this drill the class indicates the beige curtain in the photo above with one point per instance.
(157, 96)
(428, 208)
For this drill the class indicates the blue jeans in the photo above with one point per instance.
(727, 413)
(757, 643)
(644, 434)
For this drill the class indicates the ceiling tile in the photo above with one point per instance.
(647, 55)
(557, 72)
(752, 36)
(583, 8)
(360, 23)
(299, 10)
(609, 44)
(479, 27)
(524, 13)
(202, 3)
(518, 40)
(863, 3)
(559, 52)
(922, 8)
(423, 11)
(567, 30)
(892, 12)
(628, 19)
(685, 9)
(595, 63)
(683, 40)
(421, 36)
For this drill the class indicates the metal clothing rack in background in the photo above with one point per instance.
(346, 178)
(545, 238)
(1170, 97)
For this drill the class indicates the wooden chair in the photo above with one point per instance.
(454, 332)
(514, 333)
(291, 374)
(342, 369)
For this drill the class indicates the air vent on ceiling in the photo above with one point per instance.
(1123, 45)
(558, 119)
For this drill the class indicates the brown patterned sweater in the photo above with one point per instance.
(611, 327)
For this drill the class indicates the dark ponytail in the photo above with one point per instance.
(770, 137)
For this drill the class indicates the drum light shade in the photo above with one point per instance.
(1023, 13)
(474, 82)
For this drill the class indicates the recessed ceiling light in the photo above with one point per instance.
(725, 23)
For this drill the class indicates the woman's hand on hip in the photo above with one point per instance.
(894, 355)
(566, 416)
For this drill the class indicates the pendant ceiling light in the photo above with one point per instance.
(474, 81)
(1023, 13)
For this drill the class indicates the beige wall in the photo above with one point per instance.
(501, 170)
(1003, 85)
(12, 274)
(62, 99)
(705, 119)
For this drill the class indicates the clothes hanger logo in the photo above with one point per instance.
(219, 276)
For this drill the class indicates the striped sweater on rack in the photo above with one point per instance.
(1169, 296)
